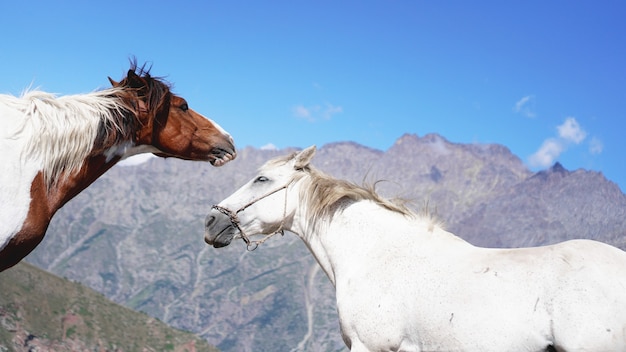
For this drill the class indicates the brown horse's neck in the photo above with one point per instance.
(45, 203)
(70, 186)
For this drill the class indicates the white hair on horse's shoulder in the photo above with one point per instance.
(61, 130)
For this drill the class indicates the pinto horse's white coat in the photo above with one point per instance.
(43, 132)
(404, 284)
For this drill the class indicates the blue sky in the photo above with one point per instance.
(547, 79)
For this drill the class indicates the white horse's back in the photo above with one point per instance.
(441, 293)
(588, 296)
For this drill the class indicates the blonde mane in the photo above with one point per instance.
(323, 193)
(62, 131)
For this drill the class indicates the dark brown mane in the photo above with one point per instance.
(152, 89)
(139, 93)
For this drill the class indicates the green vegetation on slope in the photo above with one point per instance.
(54, 314)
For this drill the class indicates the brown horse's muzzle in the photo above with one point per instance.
(224, 153)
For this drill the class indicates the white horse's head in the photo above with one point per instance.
(263, 206)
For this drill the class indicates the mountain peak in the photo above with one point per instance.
(558, 168)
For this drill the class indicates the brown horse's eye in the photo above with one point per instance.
(184, 107)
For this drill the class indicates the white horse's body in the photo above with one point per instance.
(431, 291)
(404, 284)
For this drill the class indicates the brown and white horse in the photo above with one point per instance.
(51, 148)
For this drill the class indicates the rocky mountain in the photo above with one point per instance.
(42, 312)
(136, 235)
(551, 206)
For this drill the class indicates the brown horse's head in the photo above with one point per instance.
(165, 121)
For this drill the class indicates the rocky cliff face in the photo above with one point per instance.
(136, 235)
(551, 206)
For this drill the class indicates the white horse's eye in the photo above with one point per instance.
(261, 179)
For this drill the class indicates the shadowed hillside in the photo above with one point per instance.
(42, 312)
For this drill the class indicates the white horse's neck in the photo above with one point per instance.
(352, 239)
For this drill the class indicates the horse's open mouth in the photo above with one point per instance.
(220, 156)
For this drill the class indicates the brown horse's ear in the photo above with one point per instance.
(304, 157)
(113, 83)
(134, 81)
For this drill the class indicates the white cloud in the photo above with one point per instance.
(547, 154)
(316, 112)
(570, 131)
(269, 146)
(520, 103)
(525, 106)
(567, 133)
(331, 110)
(301, 112)
(596, 146)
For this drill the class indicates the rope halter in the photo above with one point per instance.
(234, 219)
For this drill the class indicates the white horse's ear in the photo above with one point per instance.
(303, 158)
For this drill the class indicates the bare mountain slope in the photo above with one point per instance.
(551, 206)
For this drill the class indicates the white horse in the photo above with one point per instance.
(405, 284)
